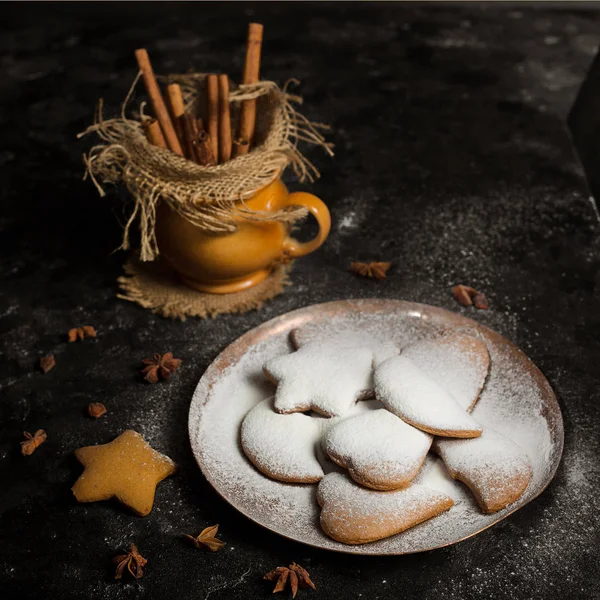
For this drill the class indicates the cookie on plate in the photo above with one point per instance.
(283, 447)
(327, 376)
(458, 362)
(352, 514)
(410, 394)
(379, 449)
(492, 466)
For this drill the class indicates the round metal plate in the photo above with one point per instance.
(523, 406)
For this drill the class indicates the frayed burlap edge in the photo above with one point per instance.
(155, 286)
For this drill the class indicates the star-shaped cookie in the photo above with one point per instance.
(327, 376)
(127, 469)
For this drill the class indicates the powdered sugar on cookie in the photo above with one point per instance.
(353, 514)
(417, 399)
(379, 449)
(282, 447)
(494, 468)
(457, 362)
(327, 376)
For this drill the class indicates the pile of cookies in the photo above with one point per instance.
(358, 416)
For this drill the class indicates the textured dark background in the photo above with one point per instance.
(453, 161)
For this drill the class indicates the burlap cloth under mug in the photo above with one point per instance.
(155, 286)
(209, 197)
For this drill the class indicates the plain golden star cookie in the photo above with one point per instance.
(127, 469)
(352, 514)
(378, 448)
(327, 376)
(416, 398)
(283, 447)
(458, 362)
(492, 466)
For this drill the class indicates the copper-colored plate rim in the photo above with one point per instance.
(300, 316)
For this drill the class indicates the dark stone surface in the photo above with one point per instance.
(453, 161)
(584, 124)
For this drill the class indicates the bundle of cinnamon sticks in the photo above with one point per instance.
(206, 142)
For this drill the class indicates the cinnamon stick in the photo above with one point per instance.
(175, 99)
(240, 147)
(200, 124)
(203, 148)
(154, 133)
(251, 75)
(179, 126)
(190, 134)
(194, 126)
(212, 111)
(177, 108)
(156, 99)
(224, 120)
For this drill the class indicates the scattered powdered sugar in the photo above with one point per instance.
(516, 401)
(282, 446)
(416, 398)
(326, 375)
(457, 362)
(492, 465)
(379, 449)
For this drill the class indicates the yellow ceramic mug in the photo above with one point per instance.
(232, 262)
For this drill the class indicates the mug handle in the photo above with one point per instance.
(292, 247)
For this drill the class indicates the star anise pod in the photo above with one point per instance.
(96, 409)
(207, 539)
(160, 367)
(295, 574)
(133, 561)
(79, 333)
(31, 442)
(468, 296)
(47, 363)
(374, 270)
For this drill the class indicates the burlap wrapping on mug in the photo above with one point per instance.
(209, 197)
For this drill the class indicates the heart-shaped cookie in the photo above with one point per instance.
(352, 514)
(283, 447)
(492, 466)
(409, 393)
(457, 362)
(327, 376)
(379, 449)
